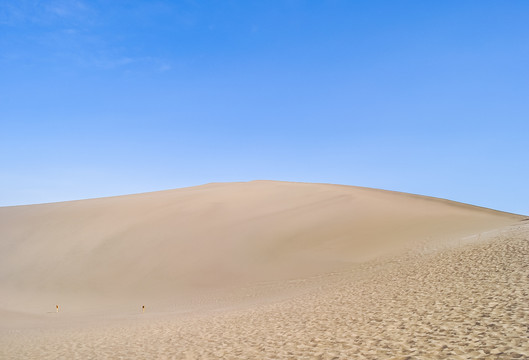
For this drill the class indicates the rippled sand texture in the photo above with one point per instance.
(465, 303)
(464, 297)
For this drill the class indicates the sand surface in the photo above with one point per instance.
(263, 270)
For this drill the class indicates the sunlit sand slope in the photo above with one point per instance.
(464, 302)
(162, 246)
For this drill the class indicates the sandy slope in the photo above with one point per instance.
(468, 302)
(262, 269)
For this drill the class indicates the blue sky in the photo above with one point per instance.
(103, 98)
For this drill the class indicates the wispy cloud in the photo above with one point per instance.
(112, 62)
(11, 13)
(106, 62)
(22, 12)
(65, 32)
(164, 67)
(67, 8)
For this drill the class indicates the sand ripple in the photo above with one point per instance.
(470, 302)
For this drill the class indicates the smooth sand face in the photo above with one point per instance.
(250, 265)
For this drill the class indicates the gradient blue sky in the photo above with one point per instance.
(104, 98)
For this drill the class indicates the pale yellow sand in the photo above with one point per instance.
(263, 270)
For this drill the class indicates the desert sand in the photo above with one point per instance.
(263, 270)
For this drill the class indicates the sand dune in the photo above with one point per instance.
(262, 269)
